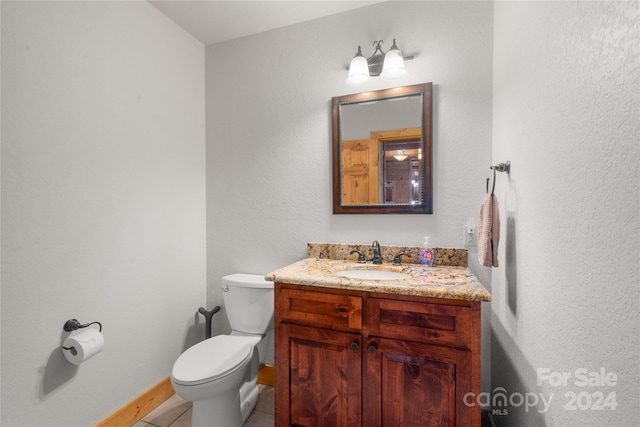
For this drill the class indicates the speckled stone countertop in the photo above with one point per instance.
(451, 282)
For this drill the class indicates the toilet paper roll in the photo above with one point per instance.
(82, 345)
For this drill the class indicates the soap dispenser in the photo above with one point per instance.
(426, 253)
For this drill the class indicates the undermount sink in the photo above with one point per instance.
(373, 274)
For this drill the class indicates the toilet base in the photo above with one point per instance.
(224, 407)
(249, 394)
(223, 411)
(216, 412)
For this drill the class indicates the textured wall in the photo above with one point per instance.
(566, 109)
(269, 188)
(103, 210)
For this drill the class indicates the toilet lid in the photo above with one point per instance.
(211, 358)
(243, 280)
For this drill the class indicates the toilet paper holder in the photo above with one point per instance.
(82, 345)
(73, 325)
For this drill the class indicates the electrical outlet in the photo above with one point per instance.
(470, 236)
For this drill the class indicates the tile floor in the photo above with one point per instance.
(175, 412)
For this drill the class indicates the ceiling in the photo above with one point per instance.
(215, 21)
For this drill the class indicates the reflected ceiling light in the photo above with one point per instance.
(388, 65)
(400, 156)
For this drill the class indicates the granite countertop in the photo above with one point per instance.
(451, 282)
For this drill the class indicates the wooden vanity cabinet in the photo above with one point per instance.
(352, 358)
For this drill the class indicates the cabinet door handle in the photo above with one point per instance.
(342, 309)
(372, 349)
(354, 345)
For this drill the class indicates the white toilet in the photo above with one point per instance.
(219, 375)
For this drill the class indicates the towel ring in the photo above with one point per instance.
(500, 167)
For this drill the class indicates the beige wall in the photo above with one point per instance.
(565, 298)
(103, 203)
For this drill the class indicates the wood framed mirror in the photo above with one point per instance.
(382, 151)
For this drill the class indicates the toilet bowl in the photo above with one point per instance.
(219, 375)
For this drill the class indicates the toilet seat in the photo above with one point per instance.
(212, 359)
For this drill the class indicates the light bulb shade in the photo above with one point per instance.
(358, 70)
(393, 67)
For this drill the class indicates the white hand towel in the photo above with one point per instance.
(489, 231)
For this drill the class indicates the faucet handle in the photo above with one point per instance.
(397, 260)
(361, 259)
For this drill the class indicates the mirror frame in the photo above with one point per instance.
(424, 89)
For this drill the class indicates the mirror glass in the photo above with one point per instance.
(382, 151)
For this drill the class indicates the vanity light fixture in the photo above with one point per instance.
(400, 156)
(388, 65)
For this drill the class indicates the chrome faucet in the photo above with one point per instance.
(375, 247)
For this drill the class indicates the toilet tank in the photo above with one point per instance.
(248, 300)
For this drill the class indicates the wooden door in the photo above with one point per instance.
(318, 377)
(360, 172)
(412, 384)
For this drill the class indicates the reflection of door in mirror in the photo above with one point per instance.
(401, 171)
(400, 175)
(360, 171)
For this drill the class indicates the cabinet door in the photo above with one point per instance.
(412, 384)
(318, 377)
